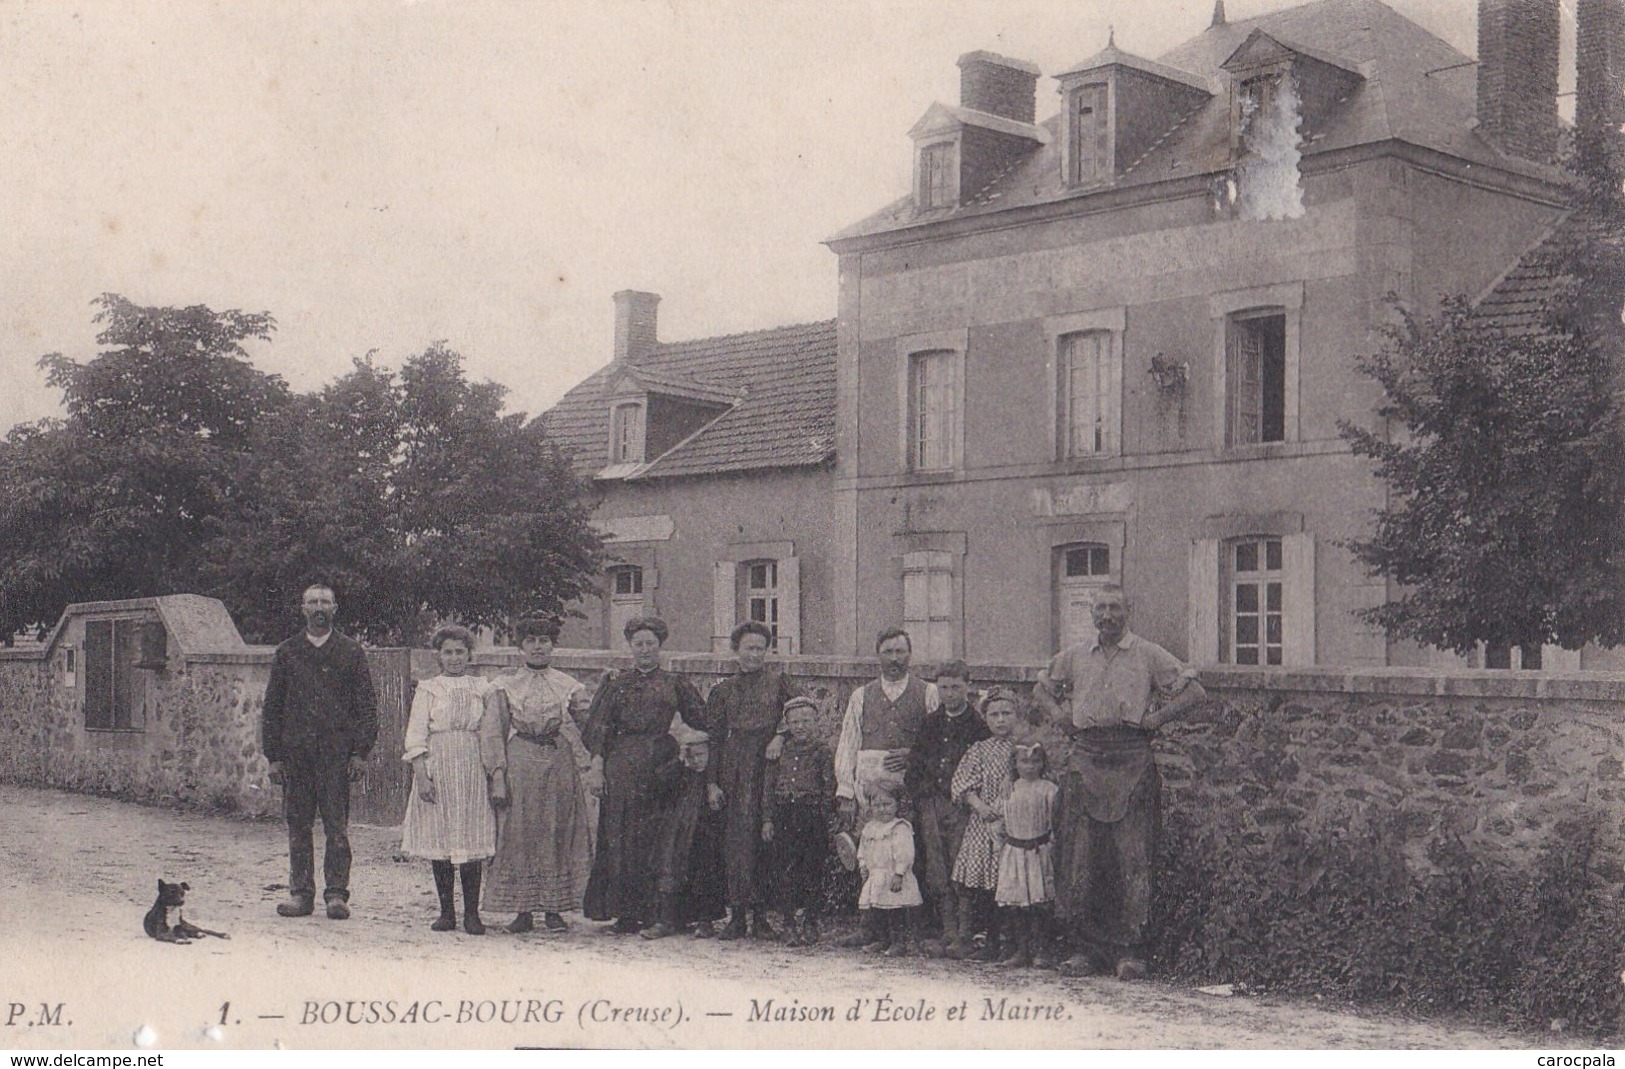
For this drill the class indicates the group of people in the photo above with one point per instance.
(971, 838)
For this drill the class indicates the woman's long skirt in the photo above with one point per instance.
(543, 854)
(624, 864)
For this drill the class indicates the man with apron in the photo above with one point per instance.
(1100, 696)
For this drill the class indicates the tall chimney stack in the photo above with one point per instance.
(999, 85)
(1517, 75)
(635, 323)
(1600, 65)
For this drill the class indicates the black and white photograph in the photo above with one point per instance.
(811, 524)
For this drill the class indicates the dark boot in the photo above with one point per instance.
(883, 931)
(934, 943)
(760, 927)
(1042, 938)
(521, 923)
(1018, 925)
(553, 922)
(991, 949)
(905, 931)
(445, 884)
(471, 898)
(736, 928)
(868, 931)
(665, 924)
(962, 940)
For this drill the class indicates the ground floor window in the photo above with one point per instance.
(766, 590)
(1252, 600)
(1257, 603)
(761, 594)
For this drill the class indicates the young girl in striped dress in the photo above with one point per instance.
(454, 744)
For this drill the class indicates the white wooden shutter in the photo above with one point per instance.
(1298, 600)
(1203, 602)
(723, 596)
(790, 605)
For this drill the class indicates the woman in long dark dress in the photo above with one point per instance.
(629, 714)
(744, 712)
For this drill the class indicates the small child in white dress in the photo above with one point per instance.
(1026, 882)
(890, 891)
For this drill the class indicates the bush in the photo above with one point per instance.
(1344, 916)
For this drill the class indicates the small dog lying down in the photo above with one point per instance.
(156, 922)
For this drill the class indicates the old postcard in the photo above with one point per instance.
(974, 405)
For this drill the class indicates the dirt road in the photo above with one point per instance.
(81, 871)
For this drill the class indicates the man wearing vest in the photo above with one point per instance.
(882, 721)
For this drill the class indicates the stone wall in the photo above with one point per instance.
(1492, 760)
(198, 743)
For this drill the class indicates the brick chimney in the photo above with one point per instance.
(999, 85)
(1600, 62)
(635, 334)
(1517, 75)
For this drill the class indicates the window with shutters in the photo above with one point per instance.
(110, 653)
(1255, 377)
(931, 605)
(1088, 145)
(937, 175)
(1257, 616)
(933, 417)
(750, 586)
(1089, 390)
(1252, 599)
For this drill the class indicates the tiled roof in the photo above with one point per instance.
(1525, 299)
(1398, 99)
(784, 418)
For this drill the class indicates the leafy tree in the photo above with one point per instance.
(115, 500)
(417, 499)
(178, 467)
(1506, 520)
(1503, 521)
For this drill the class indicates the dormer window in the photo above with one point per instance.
(1088, 144)
(626, 433)
(1115, 106)
(1283, 91)
(938, 171)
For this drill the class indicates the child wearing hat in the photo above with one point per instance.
(799, 791)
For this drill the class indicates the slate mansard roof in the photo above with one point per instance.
(782, 381)
(1414, 88)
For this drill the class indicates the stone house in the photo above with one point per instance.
(712, 462)
(1113, 346)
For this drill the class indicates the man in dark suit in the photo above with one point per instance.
(320, 721)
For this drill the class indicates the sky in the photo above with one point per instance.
(381, 175)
